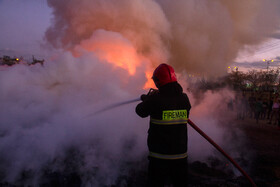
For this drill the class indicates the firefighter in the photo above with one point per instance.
(168, 108)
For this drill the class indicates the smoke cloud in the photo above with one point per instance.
(47, 128)
(47, 119)
(201, 37)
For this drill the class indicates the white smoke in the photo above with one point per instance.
(212, 115)
(201, 37)
(45, 111)
(48, 123)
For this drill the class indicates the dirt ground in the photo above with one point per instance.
(263, 140)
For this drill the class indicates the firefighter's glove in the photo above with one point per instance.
(144, 97)
(152, 92)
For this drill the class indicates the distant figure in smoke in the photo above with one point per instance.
(168, 109)
(252, 101)
(258, 109)
(270, 104)
(275, 110)
(241, 103)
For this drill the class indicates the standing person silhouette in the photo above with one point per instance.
(169, 109)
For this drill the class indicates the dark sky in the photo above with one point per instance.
(23, 24)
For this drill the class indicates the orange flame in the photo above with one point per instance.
(150, 83)
(120, 55)
(117, 51)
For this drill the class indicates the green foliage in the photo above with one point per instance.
(255, 80)
(237, 80)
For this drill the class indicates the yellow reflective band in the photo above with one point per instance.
(168, 115)
(170, 122)
(169, 157)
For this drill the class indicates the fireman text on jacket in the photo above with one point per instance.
(174, 114)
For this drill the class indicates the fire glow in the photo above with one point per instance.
(117, 50)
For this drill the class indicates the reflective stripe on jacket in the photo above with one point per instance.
(168, 157)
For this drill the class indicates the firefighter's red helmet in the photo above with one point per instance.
(164, 74)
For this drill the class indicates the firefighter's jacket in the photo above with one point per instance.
(168, 110)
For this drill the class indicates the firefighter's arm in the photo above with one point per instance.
(143, 108)
(188, 104)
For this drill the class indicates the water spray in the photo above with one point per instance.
(151, 91)
(110, 107)
(118, 105)
(196, 128)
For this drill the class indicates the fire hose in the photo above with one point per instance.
(221, 151)
(196, 128)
